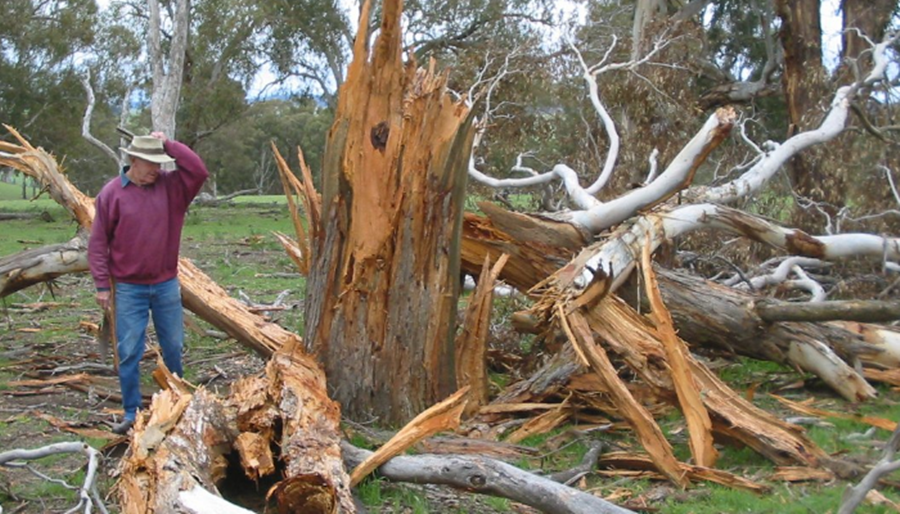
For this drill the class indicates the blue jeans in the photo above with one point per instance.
(134, 302)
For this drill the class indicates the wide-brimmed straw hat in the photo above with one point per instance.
(148, 148)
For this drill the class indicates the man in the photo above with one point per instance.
(134, 246)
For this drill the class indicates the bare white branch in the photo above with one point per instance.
(855, 495)
(87, 493)
(86, 120)
(807, 284)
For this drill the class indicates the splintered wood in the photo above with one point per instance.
(646, 429)
(471, 343)
(299, 250)
(601, 328)
(385, 266)
(699, 424)
(438, 418)
(183, 441)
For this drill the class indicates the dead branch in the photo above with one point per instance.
(854, 495)
(88, 495)
(487, 476)
(871, 311)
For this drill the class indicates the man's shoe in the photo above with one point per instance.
(123, 427)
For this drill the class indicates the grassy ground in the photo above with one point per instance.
(234, 246)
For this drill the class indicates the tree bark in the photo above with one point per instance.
(804, 82)
(872, 311)
(289, 411)
(393, 188)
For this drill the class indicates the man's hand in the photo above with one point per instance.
(159, 135)
(102, 298)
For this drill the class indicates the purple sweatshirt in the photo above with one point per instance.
(137, 230)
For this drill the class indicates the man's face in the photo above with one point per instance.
(143, 173)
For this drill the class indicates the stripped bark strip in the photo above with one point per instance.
(882, 423)
(541, 424)
(471, 343)
(442, 416)
(801, 474)
(889, 376)
(641, 421)
(698, 421)
(293, 250)
(639, 462)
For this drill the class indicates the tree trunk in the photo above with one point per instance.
(871, 19)
(804, 82)
(166, 92)
(384, 276)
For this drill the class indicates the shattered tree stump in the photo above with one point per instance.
(385, 256)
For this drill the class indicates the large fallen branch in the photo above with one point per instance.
(37, 265)
(487, 476)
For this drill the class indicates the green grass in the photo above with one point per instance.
(375, 492)
(715, 499)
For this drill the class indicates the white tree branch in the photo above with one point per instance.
(677, 175)
(855, 495)
(833, 124)
(86, 121)
(87, 493)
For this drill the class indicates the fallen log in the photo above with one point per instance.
(869, 311)
(290, 411)
(710, 314)
(37, 265)
(181, 445)
(487, 476)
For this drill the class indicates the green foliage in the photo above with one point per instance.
(239, 155)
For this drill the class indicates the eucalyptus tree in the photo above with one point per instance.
(40, 43)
